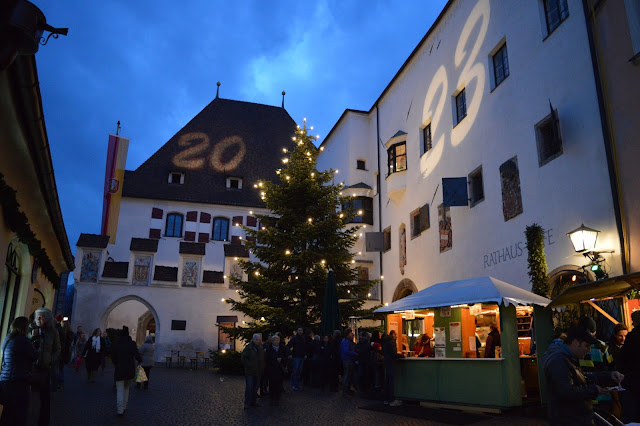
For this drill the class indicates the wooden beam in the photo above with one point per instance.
(632, 284)
(599, 309)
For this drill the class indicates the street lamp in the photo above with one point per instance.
(583, 238)
(22, 26)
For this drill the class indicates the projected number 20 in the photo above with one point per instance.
(226, 155)
(471, 78)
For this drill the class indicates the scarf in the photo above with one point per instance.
(95, 344)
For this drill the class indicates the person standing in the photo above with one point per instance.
(493, 340)
(66, 337)
(616, 343)
(76, 336)
(570, 390)
(147, 352)
(275, 357)
(107, 350)
(253, 362)
(124, 356)
(390, 353)
(18, 356)
(79, 347)
(46, 341)
(349, 356)
(365, 360)
(298, 347)
(629, 362)
(93, 353)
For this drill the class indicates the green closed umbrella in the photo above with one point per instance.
(330, 310)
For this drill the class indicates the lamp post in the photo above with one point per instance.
(583, 238)
(584, 241)
(22, 26)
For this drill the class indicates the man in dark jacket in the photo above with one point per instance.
(46, 340)
(570, 390)
(124, 355)
(253, 362)
(349, 356)
(299, 346)
(390, 353)
(365, 360)
(629, 362)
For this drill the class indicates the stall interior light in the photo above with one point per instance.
(490, 311)
(460, 306)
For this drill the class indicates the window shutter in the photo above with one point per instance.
(374, 241)
(238, 220)
(190, 226)
(189, 236)
(252, 221)
(155, 230)
(235, 239)
(204, 217)
(203, 237)
(424, 217)
(192, 216)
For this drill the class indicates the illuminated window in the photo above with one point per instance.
(397, 157)
(461, 106)
(555, 12)
(500, 65)
(220, 229)
(174, 225)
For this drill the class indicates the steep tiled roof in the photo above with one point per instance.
(149, 245)
(165, 273)
(93, 241)
(235, 250)
(115, 269)
(192, 248)
(213, 277)
(227, 138)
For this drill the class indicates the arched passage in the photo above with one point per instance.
(405, 288)
(105, 315)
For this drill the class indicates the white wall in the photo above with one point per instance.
(570, 190)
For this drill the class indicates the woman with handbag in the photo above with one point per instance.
(124, 355)
(19, 356)
(147, 351)
(80, 342)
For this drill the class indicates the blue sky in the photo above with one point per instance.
(154, 66)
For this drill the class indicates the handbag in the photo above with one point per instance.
(141, 376)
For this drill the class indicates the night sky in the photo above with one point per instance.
(154, 66)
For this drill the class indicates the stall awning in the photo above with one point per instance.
(609, 287)
(473, 290)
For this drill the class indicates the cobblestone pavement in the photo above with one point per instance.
(203, 397)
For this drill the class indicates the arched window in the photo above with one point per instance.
(220, 229)
(174, 225)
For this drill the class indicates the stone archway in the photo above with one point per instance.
(143, 323)
(102, 324)
(404, 288)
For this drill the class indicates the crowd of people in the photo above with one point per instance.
(332, 362)
(36, 352)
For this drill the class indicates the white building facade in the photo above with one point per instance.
(478, 99)
(178, 237)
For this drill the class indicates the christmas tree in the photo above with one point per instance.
(304, 236)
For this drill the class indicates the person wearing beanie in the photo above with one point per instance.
(46, 341)
(124, 355)
(629, 363)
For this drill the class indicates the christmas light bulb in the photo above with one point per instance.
(337, 171)
(287, 252)
(317, 136)
(255, 185)
(368, 294)
(341, 215)
(285, 160)
(382, 277)
(257, 273)
(311, 127)
(313, 174)
(353, 261)
(285, 149)
(250, 211)
(235, 258)
(322, 261)
(322, 148)
(310, 220)
(360, 212)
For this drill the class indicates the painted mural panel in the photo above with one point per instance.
(511, 194)
(141, 270)
(190, 272)
(90, 266)
(444, 225)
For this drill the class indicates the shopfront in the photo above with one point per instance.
(458, 317)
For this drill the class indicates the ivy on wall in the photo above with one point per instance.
(18, 222)
(537, 260)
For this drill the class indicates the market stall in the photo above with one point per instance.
(458, 315)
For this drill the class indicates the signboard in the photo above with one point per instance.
(455, 332)
(440, 337)
(410, 314)
(454, 192)
(445, 312)
(475, 309)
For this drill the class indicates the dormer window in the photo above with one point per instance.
(234, 183)
(176, 178)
